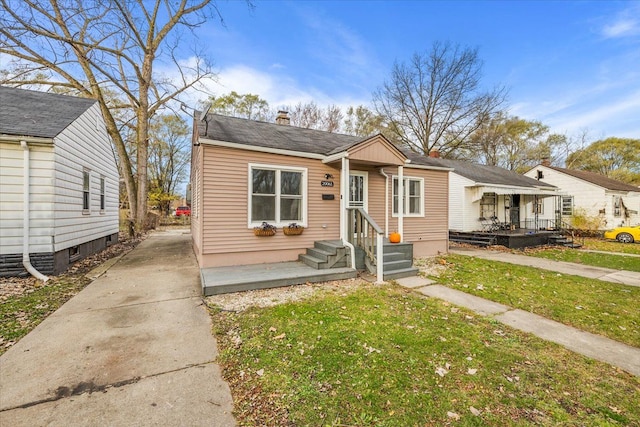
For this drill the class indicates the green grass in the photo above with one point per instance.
(610, 246)
(592, 305)
(617, 262)
(383, 356)
(21, 314)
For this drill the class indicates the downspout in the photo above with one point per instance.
(401, 202)
(344, 204)
(25, 224)
(386, 201)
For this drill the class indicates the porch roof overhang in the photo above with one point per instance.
(479, 189)
(30, 139)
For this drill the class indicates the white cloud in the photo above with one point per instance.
(625, 24)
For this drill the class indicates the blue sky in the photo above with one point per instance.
(574, 65)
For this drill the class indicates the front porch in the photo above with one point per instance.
(518, 238)
(326, 261)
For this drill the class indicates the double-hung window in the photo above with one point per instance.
(537, 207)
(567, 205)
(86, 193)
(102, 199)
(277, 195)
(413, 196)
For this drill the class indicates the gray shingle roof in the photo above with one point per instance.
(486, 174)
(285, 137)
(40, 114)
(596, 178)
(272, 135)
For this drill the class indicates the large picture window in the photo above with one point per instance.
(413, 196)
(488, 206)
(277, 195)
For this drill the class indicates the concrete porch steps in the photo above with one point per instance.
(221, 280)
(398, 261)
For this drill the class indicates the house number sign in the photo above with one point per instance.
(326, 183)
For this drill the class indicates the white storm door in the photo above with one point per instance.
(358, 183)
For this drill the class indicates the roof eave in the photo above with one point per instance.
(30, 139)
(269, 150)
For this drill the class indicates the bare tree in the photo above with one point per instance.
(169, 156)
(435, 100)
(311, 116)
(108, 50)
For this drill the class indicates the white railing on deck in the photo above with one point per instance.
(364, 233)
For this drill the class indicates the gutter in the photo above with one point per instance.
(26, 262)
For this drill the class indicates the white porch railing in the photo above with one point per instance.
(363, 232)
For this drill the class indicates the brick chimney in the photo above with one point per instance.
(546, 161)
(283, 118)
(435, 154)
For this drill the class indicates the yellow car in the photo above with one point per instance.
(624, 234)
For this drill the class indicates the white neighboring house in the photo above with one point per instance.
(58, 182)
(617, 203)
(480, 195)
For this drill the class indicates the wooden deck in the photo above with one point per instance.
(514, 239)
(221, 280)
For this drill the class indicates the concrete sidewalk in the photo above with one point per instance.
(630, 278)
(591, 345)
(133, 348)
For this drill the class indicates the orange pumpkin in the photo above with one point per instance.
(394, 237)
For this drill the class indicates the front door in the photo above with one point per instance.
(358, 189)
(515, 210)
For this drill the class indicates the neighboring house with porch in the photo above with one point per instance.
(344, 190)
(610, 202)
(483, 198)
(58, 182)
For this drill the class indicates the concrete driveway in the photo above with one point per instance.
(134, 348)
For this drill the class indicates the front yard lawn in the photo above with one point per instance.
(610, 246)
(592, 305)
(19, 314)
(384, 356)
(617, 262)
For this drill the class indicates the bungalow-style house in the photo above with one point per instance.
(58, 182)
(610, 202)
(482, 197)
(343, 190)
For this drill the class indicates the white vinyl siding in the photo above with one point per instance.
(277, 195)
(83, 146)
(12, 198)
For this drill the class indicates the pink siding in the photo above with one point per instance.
(220, 200)
(226, 237)
(376, 151)
(429, 234)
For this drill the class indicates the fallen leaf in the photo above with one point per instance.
(474, 411)
(441, 371)
(279, 337)
(471, 371)
(260, 372)
(272, 329)
(453, 415)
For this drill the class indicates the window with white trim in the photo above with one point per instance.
(413, 196)
(537, 207)
(567, 205)
(102, 197)
(617, 206)
(86, 193)
(488, 206)
(277, 195)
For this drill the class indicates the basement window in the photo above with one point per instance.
(74, 253)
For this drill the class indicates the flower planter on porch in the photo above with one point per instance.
(292, 231)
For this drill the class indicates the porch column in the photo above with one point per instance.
(344, 199)
(401, 202)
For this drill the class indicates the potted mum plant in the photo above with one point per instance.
(293, 229)
(265, 229)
